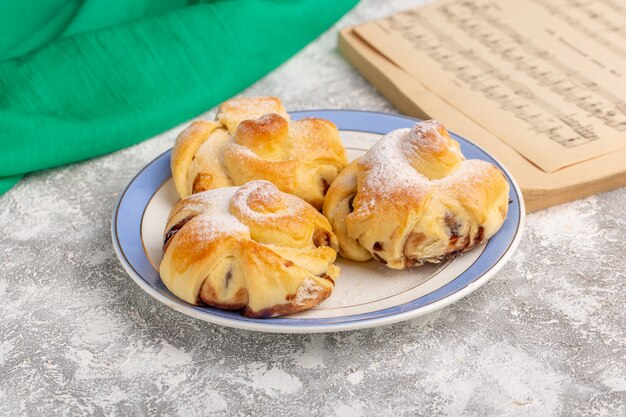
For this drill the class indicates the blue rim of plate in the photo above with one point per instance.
(127, 241)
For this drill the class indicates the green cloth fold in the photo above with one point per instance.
(97, 76)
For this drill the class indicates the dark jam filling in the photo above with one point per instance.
(321, 238)
(351, 204)
(173, 230)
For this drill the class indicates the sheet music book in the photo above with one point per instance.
(541, 84)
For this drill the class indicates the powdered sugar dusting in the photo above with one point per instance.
(217, 198)
(254, 107)
(389, 164)
(212, 225)
(390, 169)
(470, 171)
(243, 150)
(216, 218)
(234, 111)
(268, 195)
(306, 291)
(427, 135)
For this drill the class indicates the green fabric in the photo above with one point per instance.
(83, 78)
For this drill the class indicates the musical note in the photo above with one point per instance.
(479, 21)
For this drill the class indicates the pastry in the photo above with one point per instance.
(254, 138)
(250, 248)
(414, 198)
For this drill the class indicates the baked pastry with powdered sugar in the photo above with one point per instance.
(414, 198)
(254, 138)
(250, 248)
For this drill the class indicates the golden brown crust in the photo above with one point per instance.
(413, 198)
(339, 203)
(187, 144)
(254, 138)
(252, 248)
(232, 112)
(289, 307)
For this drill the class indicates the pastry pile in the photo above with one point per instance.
(255, 139)
(251, 248)
(413, 198)
(248, 235)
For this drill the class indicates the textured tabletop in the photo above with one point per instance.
(545, 337)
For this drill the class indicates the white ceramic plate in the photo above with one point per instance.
(366, 294)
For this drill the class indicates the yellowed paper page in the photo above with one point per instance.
(540, 189)
(550, 84)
